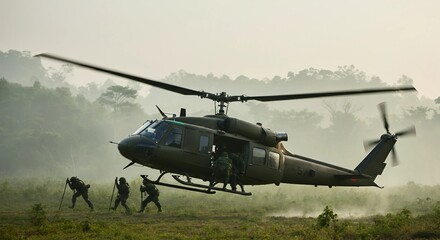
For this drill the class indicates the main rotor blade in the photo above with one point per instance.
(166, 86)
(383, 112)
(409, 131)
(326, 94)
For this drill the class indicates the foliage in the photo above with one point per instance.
(38, 215)
(436, 215)
(187, 215)
(328, 219)
(390, 224)
(118, 97)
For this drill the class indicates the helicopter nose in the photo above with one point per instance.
(136, 148)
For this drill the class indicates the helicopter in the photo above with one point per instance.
(186, 147)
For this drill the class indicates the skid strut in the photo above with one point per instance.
(190, 186)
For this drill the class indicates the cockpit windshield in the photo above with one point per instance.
(152, 130)
(145, 125)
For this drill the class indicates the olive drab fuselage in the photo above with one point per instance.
(187, 146)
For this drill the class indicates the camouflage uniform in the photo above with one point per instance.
(222, 169)
(81, 190)
(123, 193)
(153, 195)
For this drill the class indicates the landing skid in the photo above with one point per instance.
(189, 183)
(190, 186)
(157, 182)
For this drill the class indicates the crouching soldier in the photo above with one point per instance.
(123, 192)
(80, 189)
(153, 195)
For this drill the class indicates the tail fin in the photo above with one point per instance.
(374, 163)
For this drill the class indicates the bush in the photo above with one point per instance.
(38, 215)
(328, 219)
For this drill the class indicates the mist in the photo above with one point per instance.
(50, 127)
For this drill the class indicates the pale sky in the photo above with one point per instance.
(258, 39)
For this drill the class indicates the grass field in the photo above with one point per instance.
(29, 210)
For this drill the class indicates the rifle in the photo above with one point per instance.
(62, 197)
(113, 193)
(142, 197)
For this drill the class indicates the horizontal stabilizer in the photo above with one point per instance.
(353, 176)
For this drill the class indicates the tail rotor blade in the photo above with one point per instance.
(411, 131)
(383, 113)
(394, 159)
(368, 144)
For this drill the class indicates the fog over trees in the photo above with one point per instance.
(49, 127)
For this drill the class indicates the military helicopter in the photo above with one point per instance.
(186, 146)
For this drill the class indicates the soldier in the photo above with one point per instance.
(222, 168)
(79, 189)
(123, 192)
(235, 173)
(153, 195)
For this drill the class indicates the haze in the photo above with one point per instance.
(251, 42)
(258, 39)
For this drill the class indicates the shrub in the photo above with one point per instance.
(38, 215)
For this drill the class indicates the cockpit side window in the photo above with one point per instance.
(174, 138)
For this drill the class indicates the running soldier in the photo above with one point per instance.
(153, 195)
(123, 192)
(80, 189)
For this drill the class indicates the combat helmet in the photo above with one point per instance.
(145, 181)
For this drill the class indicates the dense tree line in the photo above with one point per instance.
(50, 131)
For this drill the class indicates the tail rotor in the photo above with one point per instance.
(410, 131)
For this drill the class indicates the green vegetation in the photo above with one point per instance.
(30, 211)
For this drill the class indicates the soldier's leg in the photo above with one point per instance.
(85, 196)
(156, 201)
(225, 179)
(124, 204)
(75, 195)
(117, 201)
(212, 180)
(233, 182)
(145, 203)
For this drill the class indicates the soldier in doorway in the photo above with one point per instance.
(236, 171)
(222, 168)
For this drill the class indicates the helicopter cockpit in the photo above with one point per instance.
(153, 130)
